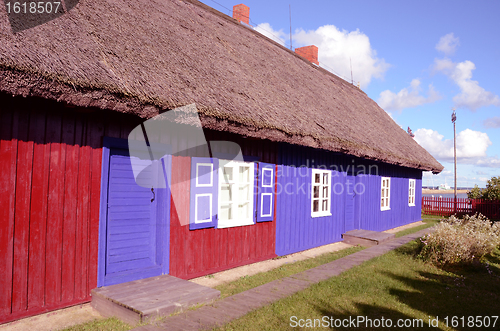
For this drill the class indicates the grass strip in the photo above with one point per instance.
(428, 220)
(248, 282)
(108, 324)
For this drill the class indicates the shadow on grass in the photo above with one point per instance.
(436, 292)
(369, 317)
(452, 290)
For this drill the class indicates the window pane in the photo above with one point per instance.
(382, 203)
(316, 205)
(316, 192)
(226, 192)
(325, 191)
(228, 174)
(244, 174)
(383, 194)
(325, 178)
(226, 212)
(325, 205)
(243, 193)
(317, 178)
(244, 211)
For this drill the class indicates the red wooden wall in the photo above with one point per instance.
(194, 253)
(50, 177)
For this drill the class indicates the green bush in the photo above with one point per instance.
(491, 192)
(475, 193)
(460, 241)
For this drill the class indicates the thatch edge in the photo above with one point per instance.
(18, 82)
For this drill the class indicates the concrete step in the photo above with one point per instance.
(146, 299)
(366, 238)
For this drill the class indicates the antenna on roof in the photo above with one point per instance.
(290, 12)
(350, 61)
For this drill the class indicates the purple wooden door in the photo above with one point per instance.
(136, 227)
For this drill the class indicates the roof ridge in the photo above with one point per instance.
(260, 35)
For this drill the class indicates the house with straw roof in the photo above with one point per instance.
(319, 157)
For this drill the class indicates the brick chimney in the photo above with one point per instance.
(241, 13)
(310, 53)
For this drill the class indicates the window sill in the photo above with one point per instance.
(321, 215)
(224, 225)
(385, 209)
(411, 205)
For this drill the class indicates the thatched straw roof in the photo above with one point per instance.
(144, 57)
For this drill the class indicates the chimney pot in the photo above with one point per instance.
(310, 53)
(242, 13)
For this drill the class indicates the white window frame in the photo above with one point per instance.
(262, 205)
(322, 189)
(263, 176)
(411, 192)
(385, 193)
(235, 184)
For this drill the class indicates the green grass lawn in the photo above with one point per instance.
(248, 282)
(108, 324)
(429, 221)
(395, 286)
(286, 270)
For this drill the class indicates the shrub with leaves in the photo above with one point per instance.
(457, 241)
(491, 192)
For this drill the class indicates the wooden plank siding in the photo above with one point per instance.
(371, 217)
(50, 175)
(50, 171)
(194, 253)
(297, 230)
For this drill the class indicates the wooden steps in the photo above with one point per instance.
(146, 299)
(366, 238)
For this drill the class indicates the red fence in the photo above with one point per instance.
(448, 207)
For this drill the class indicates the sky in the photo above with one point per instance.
(417, 59)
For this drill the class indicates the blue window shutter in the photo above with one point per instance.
(204, 188)
(265, 196)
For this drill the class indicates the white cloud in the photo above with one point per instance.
(267, 30)
(338, 48)
(492, 122)
(448, 44)
(490, 162)
(471, 96)
(471, 147)
(408, 97)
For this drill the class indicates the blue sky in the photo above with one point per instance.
(417, 59)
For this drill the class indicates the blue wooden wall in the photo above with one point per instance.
(371, 217)
(296, 230)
